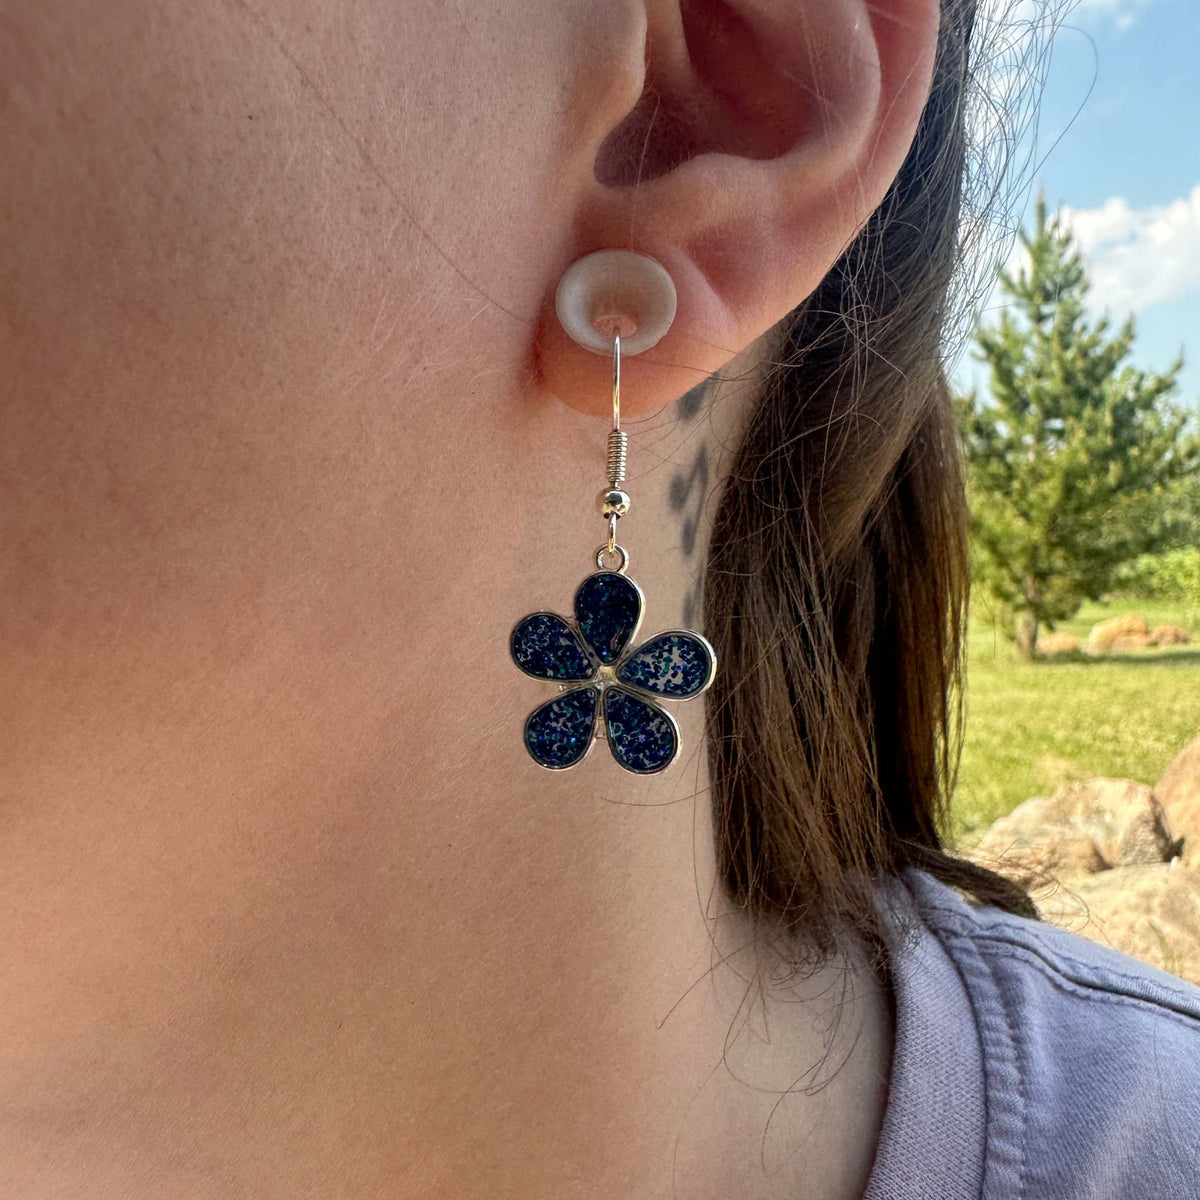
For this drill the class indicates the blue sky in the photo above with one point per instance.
(1124, 161)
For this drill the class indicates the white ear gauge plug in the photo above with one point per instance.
(616, 289)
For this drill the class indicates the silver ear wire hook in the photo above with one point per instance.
(616, 377)
(614, 501)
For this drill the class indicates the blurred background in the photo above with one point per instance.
(1076, 370)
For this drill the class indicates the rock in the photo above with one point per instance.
(1124, 818)
(1169, 635)
(1083, 828)
(1130, 641)
(1149, 912)
(1031, 859)
(1178, 791)
(1057, 643)
(1145, 837)
(1104, 633)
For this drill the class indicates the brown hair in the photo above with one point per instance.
(836, 584)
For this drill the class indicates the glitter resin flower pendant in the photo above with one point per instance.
(608, 686)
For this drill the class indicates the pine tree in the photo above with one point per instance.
(1072, 457)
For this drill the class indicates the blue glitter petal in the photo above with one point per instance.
(544, 645)
(641, 736)
(608, 607)
(675, 664)
(559, 732)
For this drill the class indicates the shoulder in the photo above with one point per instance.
(1091, 1058)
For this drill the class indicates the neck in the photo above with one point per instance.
(300, 916)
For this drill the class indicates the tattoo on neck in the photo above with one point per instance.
(691, 402)
(687, 493)
(686, 497)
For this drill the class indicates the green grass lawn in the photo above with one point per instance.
(1033, 726)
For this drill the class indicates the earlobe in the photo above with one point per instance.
(766, 134)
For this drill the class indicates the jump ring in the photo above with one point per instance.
(603, 550)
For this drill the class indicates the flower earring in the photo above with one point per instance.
(612, 301)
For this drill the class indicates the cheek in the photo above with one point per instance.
(213, 193)
(242, 231)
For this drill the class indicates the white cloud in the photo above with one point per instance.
(1135, 257)
(1122, 12)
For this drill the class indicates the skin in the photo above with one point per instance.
(289, 438)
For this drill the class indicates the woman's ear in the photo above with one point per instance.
(765, 135)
